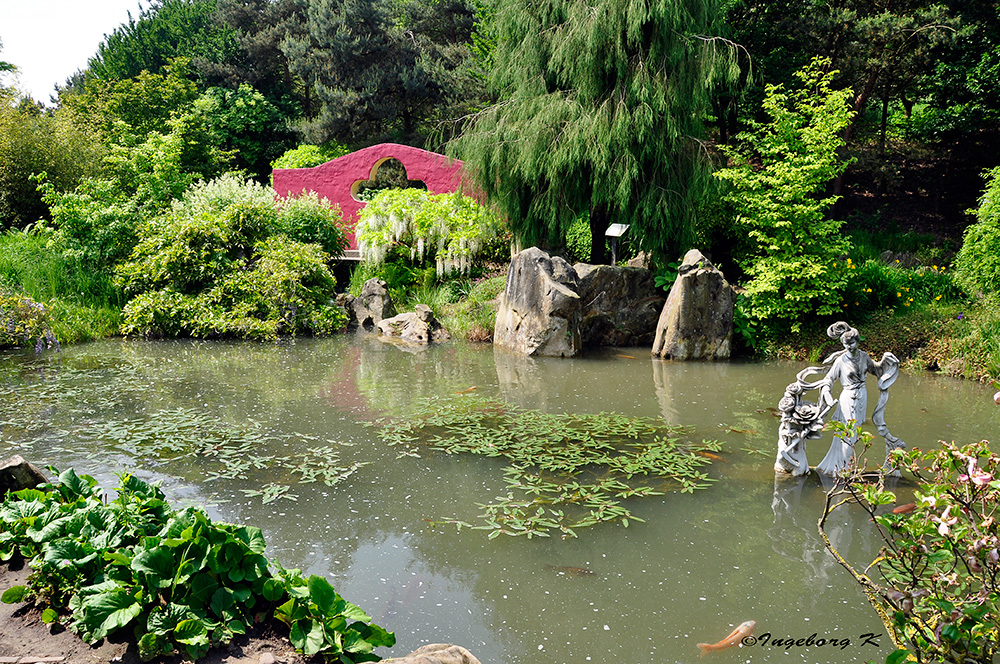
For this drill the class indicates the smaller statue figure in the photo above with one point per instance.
(851, 367)
(800, 421)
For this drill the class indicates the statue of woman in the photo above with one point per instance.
(851, 367)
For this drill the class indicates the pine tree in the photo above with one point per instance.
(601, 110)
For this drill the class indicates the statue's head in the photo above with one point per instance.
(849, 336)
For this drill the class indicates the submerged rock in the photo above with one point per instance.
(697, 320)
(416, 327)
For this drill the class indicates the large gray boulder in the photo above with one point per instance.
(372, 306)
(17, 474)
(539, 311)
(697, 320)
(436, 653)
(620, 305)
(415, 327)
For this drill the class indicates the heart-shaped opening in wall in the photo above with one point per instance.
(387, 173)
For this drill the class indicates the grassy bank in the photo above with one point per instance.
(82, 304)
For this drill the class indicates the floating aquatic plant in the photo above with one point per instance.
(566, 471)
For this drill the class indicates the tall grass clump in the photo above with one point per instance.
(82, 304)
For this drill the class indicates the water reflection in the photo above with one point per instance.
(745, 549)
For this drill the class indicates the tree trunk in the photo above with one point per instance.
(599, 217)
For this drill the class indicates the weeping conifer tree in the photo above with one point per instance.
(601, 110)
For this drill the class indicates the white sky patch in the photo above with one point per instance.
(50, 40)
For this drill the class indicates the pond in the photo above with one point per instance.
(255, 432)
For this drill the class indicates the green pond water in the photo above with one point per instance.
(268, 418)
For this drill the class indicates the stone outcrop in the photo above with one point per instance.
(539, 311)
(374, 305)
(620, 305)
(436, 653)
(415, 327)
(17, 474)
(697, 320)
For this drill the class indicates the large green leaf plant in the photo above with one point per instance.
(181, 582)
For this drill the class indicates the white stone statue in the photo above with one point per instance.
(802, 420)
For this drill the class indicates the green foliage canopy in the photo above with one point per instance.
(778, 178)
(977, 265)
(600, 110)
(34, 142)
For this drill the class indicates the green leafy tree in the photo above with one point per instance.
(963, 82)
(33, 142)
(377, 69)
(778, 177)
(600, 110)
(98, 220)
(248, 125)
(127, 110)
(167, 29)
(977, 265)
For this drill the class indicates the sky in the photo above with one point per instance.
(49, 40)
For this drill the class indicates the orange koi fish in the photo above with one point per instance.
(709, 455)
(734, 639)
(629, 357)
(467, 390)
(905, 509)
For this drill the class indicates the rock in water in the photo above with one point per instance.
(620, 305)
(417, 327)
(539, 311)
(17, 474)
(697, 320)
(370, 308)
(436, 653)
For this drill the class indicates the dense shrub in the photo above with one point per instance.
(977, 265)
(307, 156)
(934, 583)
(227, 260)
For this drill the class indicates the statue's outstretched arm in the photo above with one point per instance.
(887, 370)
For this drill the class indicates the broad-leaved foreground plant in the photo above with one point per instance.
(176, 580)
(936, 581)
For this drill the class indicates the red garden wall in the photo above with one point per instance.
(338, 180)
